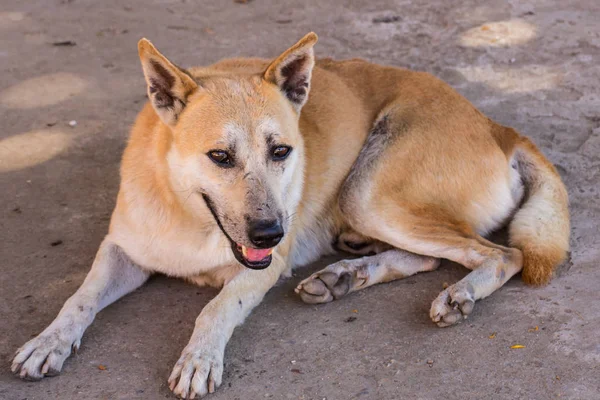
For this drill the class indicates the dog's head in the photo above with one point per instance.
(235, 142)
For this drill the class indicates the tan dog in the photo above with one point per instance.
(234, 174)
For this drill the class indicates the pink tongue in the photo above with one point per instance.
(256, 254)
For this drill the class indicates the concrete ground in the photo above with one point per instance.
(530, 64)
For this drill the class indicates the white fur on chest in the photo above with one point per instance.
(181, 253)
(314, 239)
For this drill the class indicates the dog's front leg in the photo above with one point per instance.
(200, 366)
(112, 275)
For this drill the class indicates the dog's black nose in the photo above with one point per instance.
(265, 234)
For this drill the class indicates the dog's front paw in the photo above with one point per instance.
(45, 354)
(198, 371)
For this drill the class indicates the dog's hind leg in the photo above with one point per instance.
(112, 276)
(435, 233)
(348, 276)
(492, 266)
(431, 188)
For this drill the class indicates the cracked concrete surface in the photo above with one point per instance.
(534, 65)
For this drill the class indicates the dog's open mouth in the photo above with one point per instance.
(248, 257)
(252, 258)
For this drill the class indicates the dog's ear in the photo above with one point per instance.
(292, 70)
(168, 85)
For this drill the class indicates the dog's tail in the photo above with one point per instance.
(540, 228)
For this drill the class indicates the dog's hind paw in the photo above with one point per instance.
(453, 305)
(332, 283)
(198, 371)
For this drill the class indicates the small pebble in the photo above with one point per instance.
(73, 123)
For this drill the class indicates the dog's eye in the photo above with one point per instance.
(221, 158)
(280, 152)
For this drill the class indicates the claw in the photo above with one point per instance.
(196, 373)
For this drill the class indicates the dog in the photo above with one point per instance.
(236, 172)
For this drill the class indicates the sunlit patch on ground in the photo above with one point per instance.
(31, 148)
(499, 34)
(514, 80)
(42, 91)
(8, 19)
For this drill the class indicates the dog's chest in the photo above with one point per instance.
(182, 253)
(314, 238)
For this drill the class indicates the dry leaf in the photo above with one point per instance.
(492, 336)
(101, 367)
(355, 311)
(517, 346)
(485, 28)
